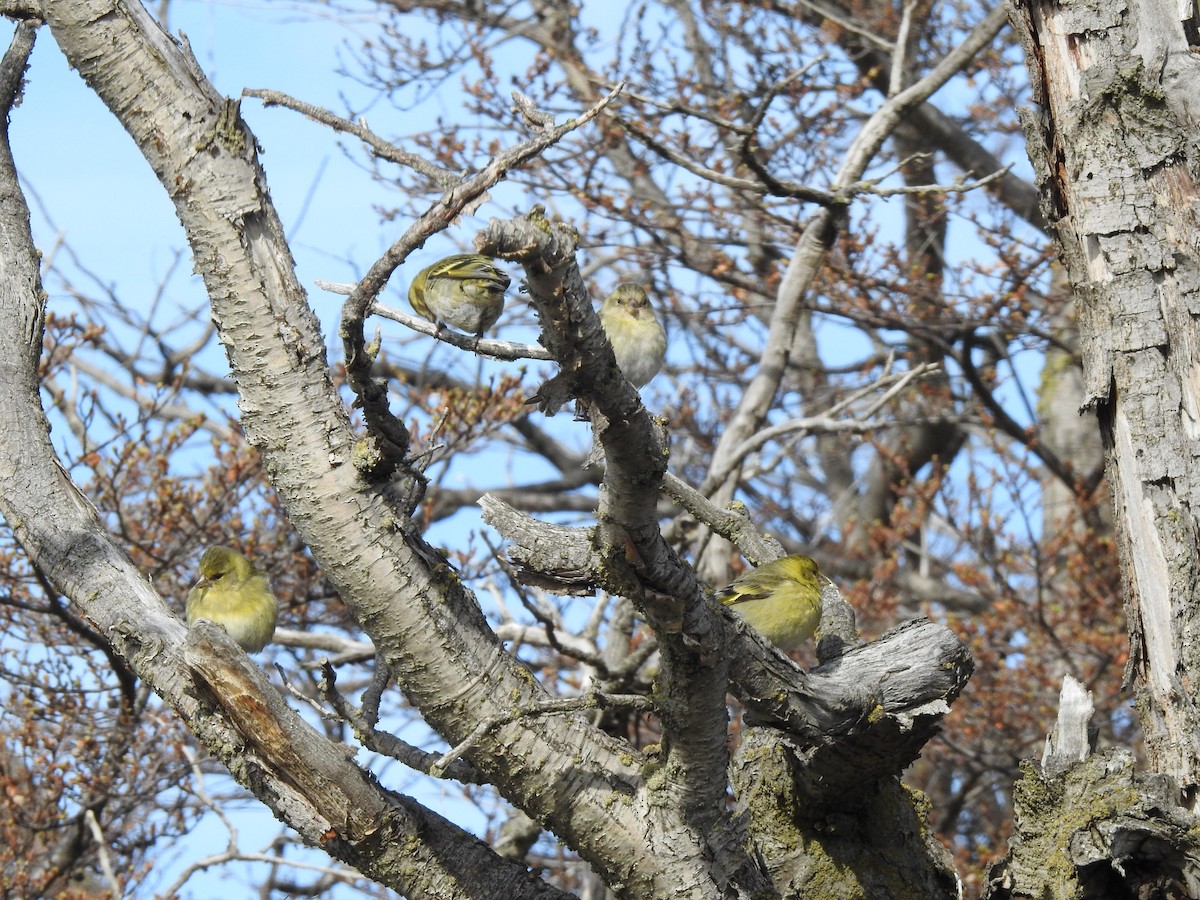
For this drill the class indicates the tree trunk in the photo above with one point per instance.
(1115, 151)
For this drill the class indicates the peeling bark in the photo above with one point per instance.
(1113, 143)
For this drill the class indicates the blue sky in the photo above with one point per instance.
(104, 199)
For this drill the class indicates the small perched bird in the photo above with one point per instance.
(465, 291)
(234, 594)
(637, 338)
(781, 600)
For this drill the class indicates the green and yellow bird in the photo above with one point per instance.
(780, 600)
(234, 594)
(464, 291)
(637, 337)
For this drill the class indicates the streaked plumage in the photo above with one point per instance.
(235, 595)
(464, 291)
(781, 600)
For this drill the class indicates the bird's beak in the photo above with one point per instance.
(202, 583)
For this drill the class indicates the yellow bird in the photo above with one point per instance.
(780, 600)
(637, 337)
(465, 291)
(234, 594)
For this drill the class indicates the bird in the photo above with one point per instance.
(234, 594)
(465, 291)
(781, 600)
(636, 335)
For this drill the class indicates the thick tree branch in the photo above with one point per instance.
(637, 563)
(307, 781)
(425, 625)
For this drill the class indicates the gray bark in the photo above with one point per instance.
(1114, 147)
(1093, 827)
(426, 626)
(1113, 143)
(310, 782)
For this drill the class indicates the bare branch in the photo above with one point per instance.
(383, 149)
(392, 434)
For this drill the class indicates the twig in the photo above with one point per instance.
(491, 347)
(484, 347)
(372, 697)
(387, 744)
(372, 394)
(765, 185)
(957, 187)
(848, 23)
(562, 641)
(591, 700)
(303, 697)
(383, 149)
(826, 423)
(731, 523)
(346, 874)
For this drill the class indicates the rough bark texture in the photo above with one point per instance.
(427, 627)
(1092, 826)
(1115, 149)
(858, 850)
(308, 781)
(1113, 142)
